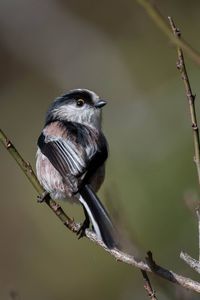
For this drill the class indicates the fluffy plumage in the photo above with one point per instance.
(71, 156)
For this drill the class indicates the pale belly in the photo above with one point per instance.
(51, 180)
(53, 183)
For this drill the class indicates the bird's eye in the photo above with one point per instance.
(80, 102)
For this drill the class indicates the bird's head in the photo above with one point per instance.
(79, 105)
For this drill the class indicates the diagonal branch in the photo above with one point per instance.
(147, 286)
(156, 16)
(190, 96)
(193, 263)
(150, 266)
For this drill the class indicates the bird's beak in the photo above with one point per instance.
(100, 103)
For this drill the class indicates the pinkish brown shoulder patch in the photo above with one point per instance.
(55, 129)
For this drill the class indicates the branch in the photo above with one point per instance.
(193, 263)
(148, 287)
(156, 16)
(190, 96)
(72, 226)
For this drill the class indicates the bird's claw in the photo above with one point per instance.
(81, 231)
(42, 198)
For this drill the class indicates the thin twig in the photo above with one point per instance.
(71, 225)
(193, 263)
(190, 96)
(156, 16)
(148, 287)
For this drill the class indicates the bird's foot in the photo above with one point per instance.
(42, 198)
(84, 226)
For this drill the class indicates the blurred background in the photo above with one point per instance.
(113, 48)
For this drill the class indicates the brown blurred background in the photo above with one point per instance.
(113, 48)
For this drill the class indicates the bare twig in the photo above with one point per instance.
(193, 263)
(153, 12)
(190, 96)
(71, 225)
(148, 287)
(151, 262)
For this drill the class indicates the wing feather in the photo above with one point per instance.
(78, 154)
(63, 155)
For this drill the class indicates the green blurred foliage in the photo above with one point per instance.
(113, 48)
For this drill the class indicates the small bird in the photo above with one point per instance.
(71, 155)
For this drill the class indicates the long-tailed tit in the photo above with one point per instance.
(71, 156)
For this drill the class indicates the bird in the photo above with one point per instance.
(71, 155)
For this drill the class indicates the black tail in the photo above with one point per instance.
(98, 216)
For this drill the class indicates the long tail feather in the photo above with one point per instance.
(98, 216)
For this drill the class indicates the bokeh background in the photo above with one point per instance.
(113, 48)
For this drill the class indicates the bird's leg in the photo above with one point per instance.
(42, 198)
(84, 226)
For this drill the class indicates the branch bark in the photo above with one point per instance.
(156, 16)
(193, 263)
(190, 96)
(148, 287)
